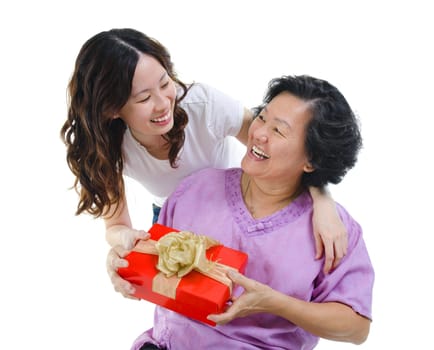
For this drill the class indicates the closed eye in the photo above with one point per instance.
(261, 117)
(278, 131)
(145, 99)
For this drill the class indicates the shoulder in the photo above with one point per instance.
(198, 184)
(197, 93)
(206, 175)
(200, 178)
(221, 114)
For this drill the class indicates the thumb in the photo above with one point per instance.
(141, 234)
(240, 279)
(121, 251)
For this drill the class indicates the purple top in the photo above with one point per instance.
(281, 253)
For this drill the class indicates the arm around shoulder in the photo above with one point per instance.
(331, 237)
(242, 135)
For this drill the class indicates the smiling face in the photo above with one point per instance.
(276, 144)
(149, 109)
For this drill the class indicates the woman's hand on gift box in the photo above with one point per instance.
(122, 239)
(124, 236)
(114, 261)
(255, 299)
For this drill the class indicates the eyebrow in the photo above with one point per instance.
(145, 90)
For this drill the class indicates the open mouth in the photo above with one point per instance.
(259, 153)
(161, 119)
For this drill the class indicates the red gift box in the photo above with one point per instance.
(197, 295)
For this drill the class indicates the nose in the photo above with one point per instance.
(262, 138)
(161, 102)
(260, 134)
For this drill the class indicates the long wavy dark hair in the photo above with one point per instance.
(99, 87)
(333, 136)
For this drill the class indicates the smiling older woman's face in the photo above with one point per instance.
(276, 144)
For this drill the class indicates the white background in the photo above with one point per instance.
(55, 293)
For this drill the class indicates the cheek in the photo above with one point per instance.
(172, 92)
(137, 114)
(290, 152)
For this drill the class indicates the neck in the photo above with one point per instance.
(264, 198)
(156, 145)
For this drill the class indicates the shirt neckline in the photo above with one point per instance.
(248, 224)
(142, 148)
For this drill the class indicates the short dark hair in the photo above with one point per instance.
(333, 137)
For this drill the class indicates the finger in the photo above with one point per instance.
(130, 237)
(114, 259)
(110, 260)
(120, 251)
(122, 286)
(141, 234)
(222, 318)
(345, 243)
(318, 246)
(339, 253)
(241, 280)
(341, 246)
(329, 256)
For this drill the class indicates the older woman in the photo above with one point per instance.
(305, 134)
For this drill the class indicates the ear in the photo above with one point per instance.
(116, 116)
(308, 168)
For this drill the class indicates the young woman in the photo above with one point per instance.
(130, 115)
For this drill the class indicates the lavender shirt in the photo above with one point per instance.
(281, 253)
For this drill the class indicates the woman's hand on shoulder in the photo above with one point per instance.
(331, 240)
(330, 233)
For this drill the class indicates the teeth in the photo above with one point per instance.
(162, 119)
(259, 153)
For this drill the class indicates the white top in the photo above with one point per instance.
(212, 116)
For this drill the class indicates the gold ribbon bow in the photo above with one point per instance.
(179, 253)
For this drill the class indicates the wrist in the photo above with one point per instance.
(114, 234)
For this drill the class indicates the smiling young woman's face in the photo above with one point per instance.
(149, 110)
(276, 144)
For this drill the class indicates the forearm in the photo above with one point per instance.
(331, 320)
(320, 193)
(114, 233)
(117, 222)
(323, 202)
(247, 120)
